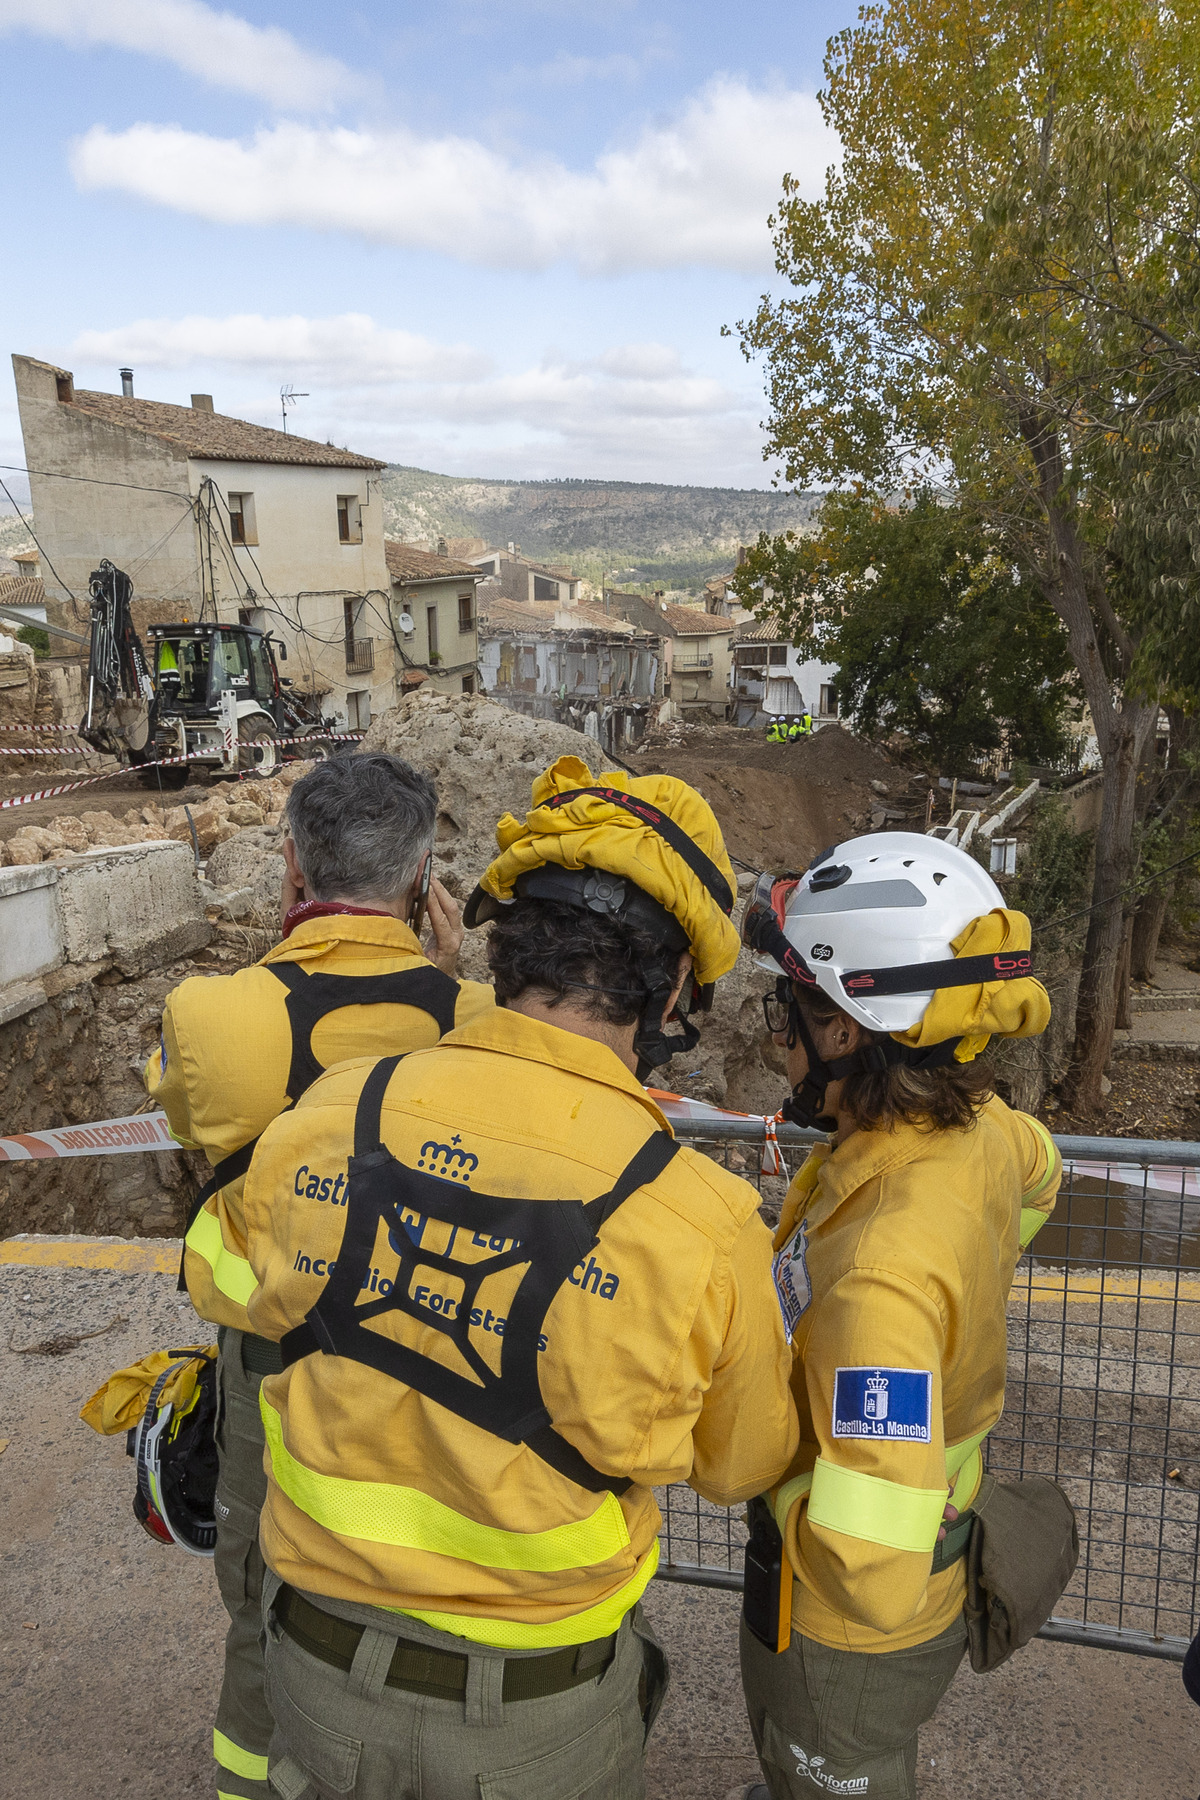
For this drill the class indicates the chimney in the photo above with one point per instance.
(127, 383)
(202, 403)
(441, 549)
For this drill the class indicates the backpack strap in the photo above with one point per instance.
(546, 1239)
(312, 997)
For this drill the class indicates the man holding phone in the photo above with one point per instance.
(348, 979)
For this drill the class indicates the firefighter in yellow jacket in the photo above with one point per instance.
(349, 977)
(896, 961)
(509, 1305)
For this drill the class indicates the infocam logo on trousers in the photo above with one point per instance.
(814, 1768)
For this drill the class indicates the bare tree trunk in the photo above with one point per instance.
(1147, 928)
(1123, 1017)
(1096, 1018)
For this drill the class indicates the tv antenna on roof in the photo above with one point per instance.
(288, 397)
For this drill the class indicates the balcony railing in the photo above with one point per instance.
(691, 664)
(360, 655)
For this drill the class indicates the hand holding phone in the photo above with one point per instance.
(421, 897)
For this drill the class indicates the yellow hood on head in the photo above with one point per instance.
(988, 1009)
(592, 832)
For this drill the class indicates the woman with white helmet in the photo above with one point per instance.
(896, 961)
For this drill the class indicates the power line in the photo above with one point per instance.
(92, 481)
(41, 552)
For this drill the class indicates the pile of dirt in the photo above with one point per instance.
(779, 804)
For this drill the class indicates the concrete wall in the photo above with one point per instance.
(79, 522)
(130, 908)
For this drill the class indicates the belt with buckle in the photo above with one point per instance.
(441, 1673)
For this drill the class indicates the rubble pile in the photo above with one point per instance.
(224, 812)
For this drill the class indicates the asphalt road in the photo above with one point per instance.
(109, 1645)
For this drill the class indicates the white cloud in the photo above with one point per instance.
(349, 350)
(632, 410)
(694, 191)
(217, 46)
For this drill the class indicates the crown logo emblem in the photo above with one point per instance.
(447, 1161)
(875, 1403)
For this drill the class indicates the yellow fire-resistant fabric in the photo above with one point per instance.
(386, 1514)
(221, 1072)
(592, 832)
(1019, 1008)
(121, 1402)
(663, 1356)
(912, 1238)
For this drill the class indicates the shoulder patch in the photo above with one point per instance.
(793, 1288)
(883, 1403)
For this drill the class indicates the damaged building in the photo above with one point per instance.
(600, 675)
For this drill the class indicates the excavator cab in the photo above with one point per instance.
(196, 664)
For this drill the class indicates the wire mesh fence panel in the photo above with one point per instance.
(1103, 1388)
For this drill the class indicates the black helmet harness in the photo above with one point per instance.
(761, 931)
(619, 897)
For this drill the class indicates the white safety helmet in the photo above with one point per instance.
(175, 1455)
(865, 918)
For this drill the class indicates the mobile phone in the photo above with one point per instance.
(422, 895)
(767, 1594)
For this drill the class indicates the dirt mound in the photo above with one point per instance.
(778, 804)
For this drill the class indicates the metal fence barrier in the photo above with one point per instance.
(1103, 1387)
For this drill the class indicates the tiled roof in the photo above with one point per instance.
(761, 631)
(21, 590)
(406, 563)
(690, 621)
(213, 434)
(498, 611)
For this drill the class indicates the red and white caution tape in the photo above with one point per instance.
(49, 750)
(150, 1131)
(108, 1137)
(58, 730)
(164, 762)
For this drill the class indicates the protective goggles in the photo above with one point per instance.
(762, 926)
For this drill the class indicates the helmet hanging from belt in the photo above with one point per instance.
(908, 936)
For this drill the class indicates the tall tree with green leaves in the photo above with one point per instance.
(1001, 281)
(935, 634)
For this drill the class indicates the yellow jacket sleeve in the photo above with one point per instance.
(1042, 1177)
(747, 1431)
(166, 1081)
(863, 1538)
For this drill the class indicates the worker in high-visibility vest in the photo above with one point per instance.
(348, 979)
(777, 731)
(509, 1305)
(896, 960)
(800, 727)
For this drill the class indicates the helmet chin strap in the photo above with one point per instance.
(804, 1104)
(651, 1042)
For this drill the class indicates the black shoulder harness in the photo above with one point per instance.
(545, 1237)
(309, 999)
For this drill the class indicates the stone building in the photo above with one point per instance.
(436, 594)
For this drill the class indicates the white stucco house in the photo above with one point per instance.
(770, 676)
(216, 517)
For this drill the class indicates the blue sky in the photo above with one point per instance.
(492, 237)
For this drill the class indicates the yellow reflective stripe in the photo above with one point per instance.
(382, 1513)
(1032, 1220)
(879, 1511)
(232, 1274)
(958, 1455)
(1053, 1166)
(786, 1498)
(231, 1756)
(580, 1628)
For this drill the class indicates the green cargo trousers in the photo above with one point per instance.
(844, 1721)
(344, 1735)
(244, 1725)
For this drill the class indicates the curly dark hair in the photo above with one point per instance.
(945, 1099)
(560, 952)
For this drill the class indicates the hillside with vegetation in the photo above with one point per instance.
(631, 531)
